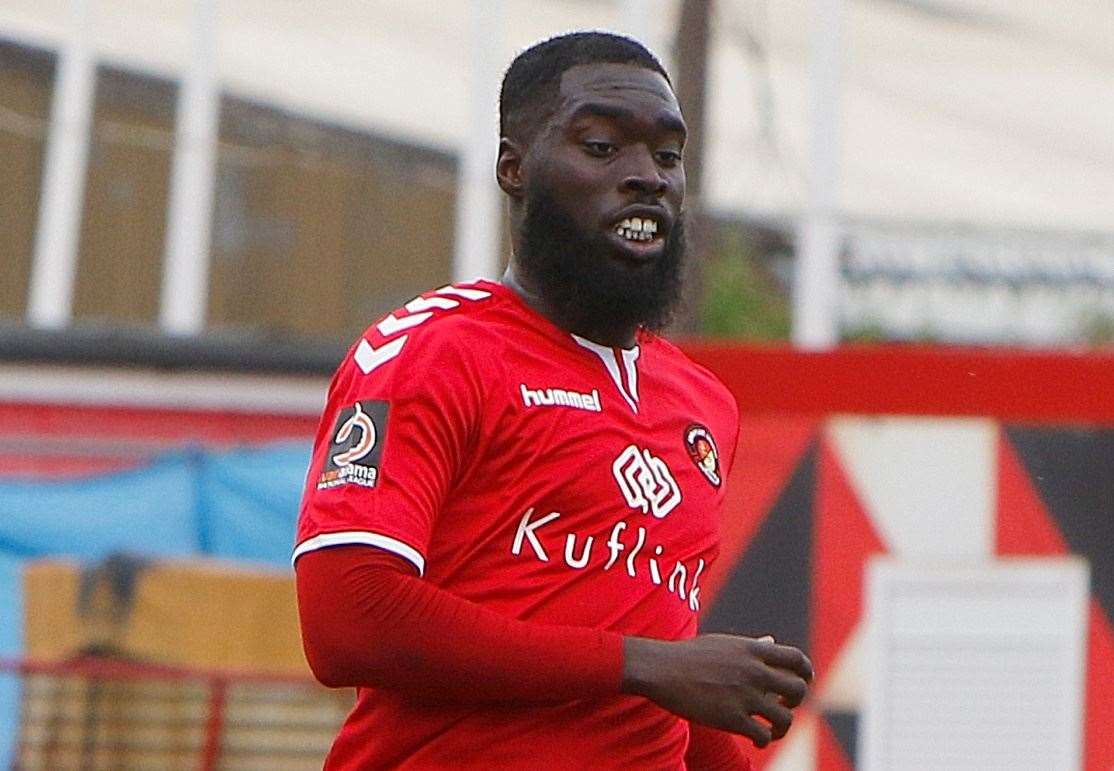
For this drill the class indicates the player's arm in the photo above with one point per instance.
(368, 620)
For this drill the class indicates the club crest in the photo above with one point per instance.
(702, 449)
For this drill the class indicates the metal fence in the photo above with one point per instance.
(95, 713)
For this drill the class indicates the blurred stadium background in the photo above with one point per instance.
(906, 275)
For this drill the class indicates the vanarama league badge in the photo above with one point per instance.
(702, 449)
(357, 447)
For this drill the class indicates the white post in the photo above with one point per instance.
(478, 200)
(185, 278)
(54, 264)
(816, 286)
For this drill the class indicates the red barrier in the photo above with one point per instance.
(1061, 387)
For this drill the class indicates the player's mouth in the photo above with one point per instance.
(639, 238)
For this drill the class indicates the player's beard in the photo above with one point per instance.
(585, 288)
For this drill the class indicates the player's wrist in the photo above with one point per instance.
(644, 663)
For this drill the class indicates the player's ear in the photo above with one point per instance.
(508, 167)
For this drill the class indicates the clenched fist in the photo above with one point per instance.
(722, 681)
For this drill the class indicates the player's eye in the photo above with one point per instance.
(600, 149)
(669, 157)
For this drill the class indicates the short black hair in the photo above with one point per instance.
(530, 85)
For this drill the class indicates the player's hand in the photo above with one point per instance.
(741, 685)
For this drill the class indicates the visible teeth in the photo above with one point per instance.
(634, 235)
(637, 229)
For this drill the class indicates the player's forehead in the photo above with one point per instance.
(625, 87)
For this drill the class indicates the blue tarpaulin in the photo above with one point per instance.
(237, 505)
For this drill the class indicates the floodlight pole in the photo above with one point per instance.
(185, 276)
(57, 235)
(478, 200)
(816, 284)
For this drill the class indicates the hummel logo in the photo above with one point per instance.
(558, 397)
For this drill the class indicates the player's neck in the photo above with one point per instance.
(598, 333)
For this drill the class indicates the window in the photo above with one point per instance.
(26, 79)
(318, 230)
(119, 268)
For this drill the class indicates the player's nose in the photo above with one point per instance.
(643, 175)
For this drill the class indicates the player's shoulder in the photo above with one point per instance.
(691, 375)
(454, 308)
(453, 318)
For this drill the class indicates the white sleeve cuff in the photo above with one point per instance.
(352, 537)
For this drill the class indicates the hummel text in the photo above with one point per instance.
(558, 397)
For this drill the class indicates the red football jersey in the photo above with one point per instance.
(536, 473)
